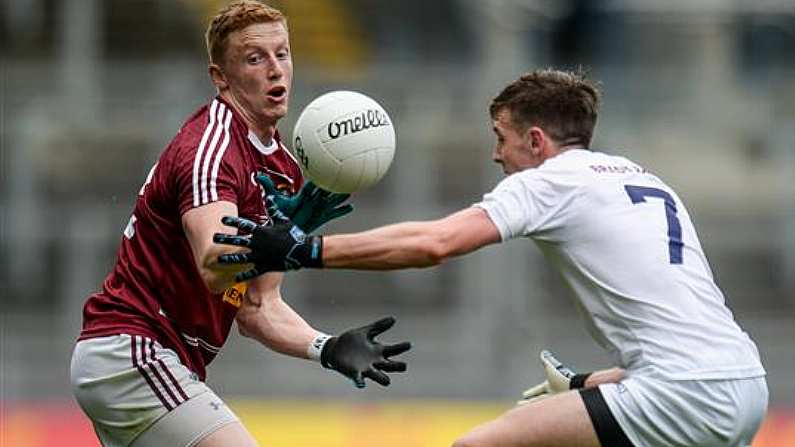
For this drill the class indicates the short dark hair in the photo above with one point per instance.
(564, 104)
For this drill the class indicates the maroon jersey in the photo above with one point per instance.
(155, 289)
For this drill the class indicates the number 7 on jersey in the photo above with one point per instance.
(638, 194)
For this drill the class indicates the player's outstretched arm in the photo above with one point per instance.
(411, 244)
(355, 353)
(285, 246)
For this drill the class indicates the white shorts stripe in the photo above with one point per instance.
(211, 150)
(218, 157)
(200, 151)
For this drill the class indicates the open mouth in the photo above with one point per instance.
(277, 93)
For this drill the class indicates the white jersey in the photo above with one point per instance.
(624, 242)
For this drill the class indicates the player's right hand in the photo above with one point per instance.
(277, 248)
(309, 209)
(560, 378)
(356, 354)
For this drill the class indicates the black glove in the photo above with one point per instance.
(309, 209)
(276, 248)
(356, 355)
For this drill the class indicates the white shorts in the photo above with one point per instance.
(687, 413)
(139, 394)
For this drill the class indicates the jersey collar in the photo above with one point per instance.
(261, 147)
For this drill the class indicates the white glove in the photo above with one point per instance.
(559, 379)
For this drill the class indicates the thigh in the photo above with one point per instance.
(229, 435)
(125, 383)
(561, 420)
(755, 395)
(202, 421)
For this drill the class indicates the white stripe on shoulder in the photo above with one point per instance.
(200, 151)
(212, 148)
(218, 157)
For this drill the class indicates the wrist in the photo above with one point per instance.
(315, 349)
(306, 251)
(309, 253)
(326, 353)
(578, 381)
(315, 257)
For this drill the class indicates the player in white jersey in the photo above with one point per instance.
(624, 242)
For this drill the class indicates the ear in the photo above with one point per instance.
(534, 138)
(218, 77)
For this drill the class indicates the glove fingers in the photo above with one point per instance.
(549, 358)
(248, 274)
(228, 239)
(235, 258)
(390, 366)
(398, 348)
(358, 380)
(334, 199)
(242, 224)
(554, 368)
(337, 212)
(377, 376)
(275, 210)
(537, 390)
(380, 326)
(309, 188)
(282, 203)
(267, 184)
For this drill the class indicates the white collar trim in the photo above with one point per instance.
(265, 150)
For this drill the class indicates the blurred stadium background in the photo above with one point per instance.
(702, 92)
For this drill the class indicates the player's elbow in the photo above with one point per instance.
(438, 248)
(435, 252)
(243, 327)
(246, 320)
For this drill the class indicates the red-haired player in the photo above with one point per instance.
(166, 309)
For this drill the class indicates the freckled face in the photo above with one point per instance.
(259, 70)
(511, 150)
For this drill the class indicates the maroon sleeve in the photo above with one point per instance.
(208, 168)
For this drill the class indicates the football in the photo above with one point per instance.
(344, 141)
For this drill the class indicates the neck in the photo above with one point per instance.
(264, 131)
(570, 146)
(571, 143)
(554, 151)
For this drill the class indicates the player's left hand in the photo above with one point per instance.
(356, 354)
(277, 248)
(309, 209)
(560, 378)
